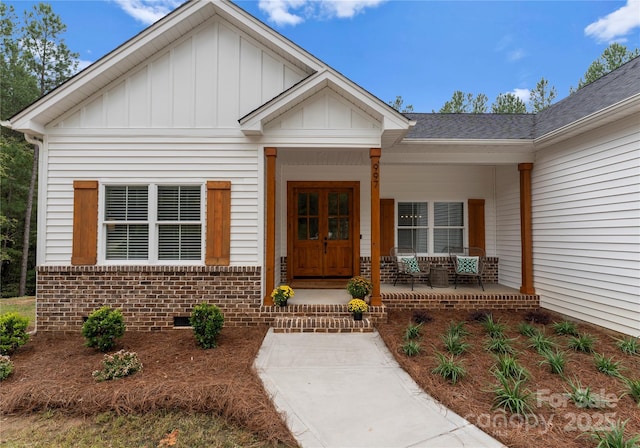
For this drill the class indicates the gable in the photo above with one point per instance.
(325, 110)
(208, 79)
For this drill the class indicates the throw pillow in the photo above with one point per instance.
(412, 264)
(468, 265)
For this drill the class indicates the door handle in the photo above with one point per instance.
(325, 245)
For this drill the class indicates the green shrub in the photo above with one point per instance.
(582, 343)
(118, 365)
(556, 360)
(493, 328)
(528, 330)
(500, 345)
(450, 369)
(103, 327)
(607, 365)
(411, 348)
(457, 329)
(541, 343)
(412, 332)
(455, 344)
(633, 389)
(13, 332)
(509, 367)
(207, 321)
(512, 396)
(565, 327)
(583, 397)
(6, 367)
(629, 345)
(614, 437)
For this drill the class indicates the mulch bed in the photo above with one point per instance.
(54, 371)
(556, 420)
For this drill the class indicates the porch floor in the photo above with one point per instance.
(340, 296)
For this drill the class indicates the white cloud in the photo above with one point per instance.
(516, 55)
(523, 94)
(148, 11)
(293, 12)
(614, 26)
(83, 63)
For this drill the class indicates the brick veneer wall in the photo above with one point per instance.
(441, 301)
(149, 296)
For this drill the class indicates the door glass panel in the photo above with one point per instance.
(302, 229)
(334, 230)
(344, 228)
(313, 204)
(344, 204)
(302, 204)
(333, 203)
(313, 228)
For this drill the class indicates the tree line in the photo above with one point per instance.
(541, 97)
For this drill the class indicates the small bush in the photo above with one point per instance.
(528, 330)
(582, 397)
(537, 317)
(509, 367)
(118, 365)
(6, 367)
(512, 396)
(103, 327)
(565, 328)
(556, 360)
(411, 348)
(541, 343)
(607, 365)
(614, 437)
(13, 332)
(412, 332)
(582, 343)
(494, 329)
(457, 329)
(207, 321)
(629, 345)
(633, 389)
(421, 317)
(500, 345)
(450, 369)
(455, 344)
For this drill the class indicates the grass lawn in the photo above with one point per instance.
(25, 306)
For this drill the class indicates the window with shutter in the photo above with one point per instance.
(179, 226)
(413, 227)
(127, 225)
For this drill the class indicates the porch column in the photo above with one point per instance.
(270, 230)
(374, 155)
(525, 228)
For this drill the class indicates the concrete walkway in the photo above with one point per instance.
(346, 390)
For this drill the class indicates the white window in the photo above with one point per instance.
(413, 230)
(153, 222)
(448, 226)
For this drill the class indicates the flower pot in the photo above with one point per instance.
(283, 303)
(357, 315)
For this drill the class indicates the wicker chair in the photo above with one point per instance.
(408, 265)
(467, 262)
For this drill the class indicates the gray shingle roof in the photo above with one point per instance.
(612, 88)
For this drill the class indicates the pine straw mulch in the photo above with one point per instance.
(53, 371)
(556, 421)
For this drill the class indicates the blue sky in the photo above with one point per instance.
(421, 50)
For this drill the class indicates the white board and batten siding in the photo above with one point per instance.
(173, 119)
(586, 227)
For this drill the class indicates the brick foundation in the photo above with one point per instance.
(149, 296)
(441, 301)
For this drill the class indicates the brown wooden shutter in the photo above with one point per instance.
(84, 249)
(218, 249)
(387, 226)
(476, 224)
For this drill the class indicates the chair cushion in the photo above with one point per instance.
(412, 264)
(468, 265)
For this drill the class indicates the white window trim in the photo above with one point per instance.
(152, 220)
(431, 222)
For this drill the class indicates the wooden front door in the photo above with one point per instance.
(323, 229)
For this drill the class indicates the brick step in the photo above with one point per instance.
(324, 324)
(375, 313)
